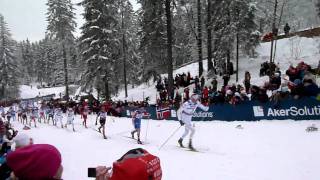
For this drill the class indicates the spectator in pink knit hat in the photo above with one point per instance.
(35, 162)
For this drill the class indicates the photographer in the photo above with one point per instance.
(136, 164)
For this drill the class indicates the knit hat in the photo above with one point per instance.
(35, 162)
(22, 140)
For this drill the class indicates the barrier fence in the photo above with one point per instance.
(301, 109)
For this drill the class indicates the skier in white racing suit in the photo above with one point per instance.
(186, 113)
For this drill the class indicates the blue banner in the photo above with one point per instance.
(301, 109)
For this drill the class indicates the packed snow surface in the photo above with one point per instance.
(33, 91)
(264, 150)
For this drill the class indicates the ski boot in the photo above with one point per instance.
(191, 146)
(139, 142)
(180, 142)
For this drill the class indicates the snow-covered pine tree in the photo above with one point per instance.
(183, 37)
(249, 32)
(199, 36)
(318, 7)
(38, 61)
(28, 61)
(134, 62)
(169, 62)
(153, 38)
(9, 86)
(209, 37)
(245, 28)
(51, 57)
(99, 43)
(18, 56)
(223, 34)
(61, 25)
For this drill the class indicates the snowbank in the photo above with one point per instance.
(32, 91)
(264, 150)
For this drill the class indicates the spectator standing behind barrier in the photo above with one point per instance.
(205, 95)
(286, 29)
(186, 94)
(318, 68)
(275, 32)
(214, 84)
(202, 82)
(226, 78)
(247, 79)
(196, 81)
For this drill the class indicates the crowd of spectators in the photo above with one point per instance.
(297, 82)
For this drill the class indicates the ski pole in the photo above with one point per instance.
(145, 140)
(170, 137)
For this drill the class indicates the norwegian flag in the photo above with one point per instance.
(163, 112)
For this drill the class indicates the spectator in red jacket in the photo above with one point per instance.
(205, 95)
(186, 94)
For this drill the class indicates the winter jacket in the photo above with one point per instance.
(311, 90)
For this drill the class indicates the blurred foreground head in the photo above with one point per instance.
(36, 162)
(137, 164)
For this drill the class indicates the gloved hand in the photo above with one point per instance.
(181, 123)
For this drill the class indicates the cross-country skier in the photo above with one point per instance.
(58, 116)
(20, 113)
(103, 116)
(33, 116)
(9, 114)
(13, 113)
(187, 110)
(2, 112)
(24, 116)
(70, 118)
(42, 114)
(50, 112)
(136, 121)
(85, 112)
(98, 115)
